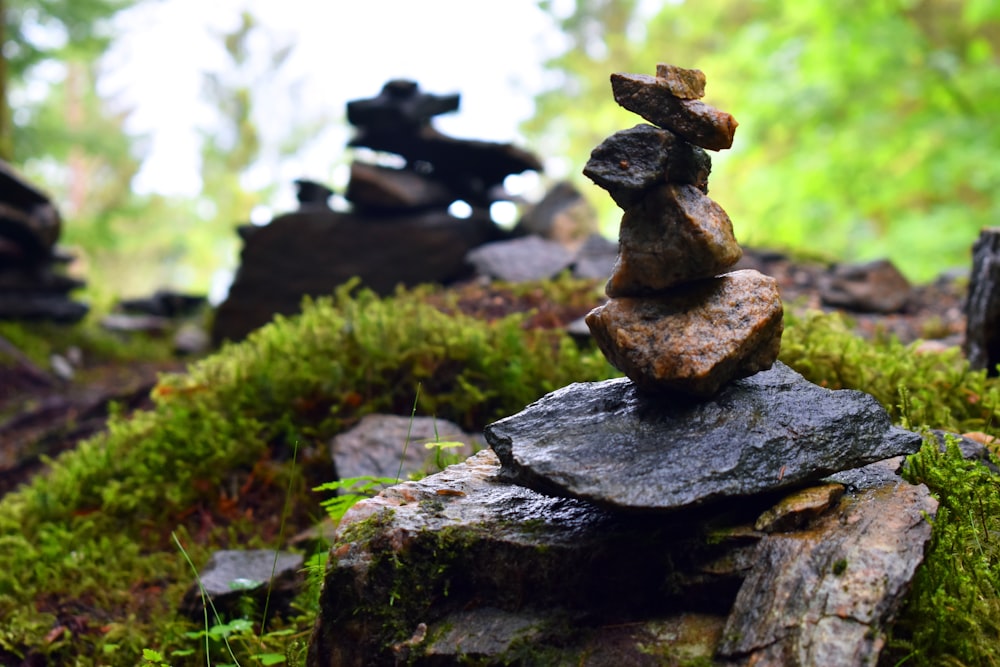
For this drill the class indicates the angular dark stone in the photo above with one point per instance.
(400, 104)
(693, 120)
(463, 566)
(674, 235)
(611, 444)
(630, 162)
(472, 169)
(563, 215)
(595, 258)
(380, 190)
(393, 445)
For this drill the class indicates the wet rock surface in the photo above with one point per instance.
(674, 235)
(613, 445)
(483, 569)
(871, 287)
(695, 338)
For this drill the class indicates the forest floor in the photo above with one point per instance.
(42, 415)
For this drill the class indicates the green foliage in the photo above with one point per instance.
(95, 527)
(953, 613)
(865, 129)
(941, 390)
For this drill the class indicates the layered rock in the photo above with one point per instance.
(672, 324)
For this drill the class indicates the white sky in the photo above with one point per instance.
(489, 51)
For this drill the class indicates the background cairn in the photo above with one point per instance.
(673, 323)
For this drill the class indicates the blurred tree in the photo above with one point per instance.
(866, 129)
(38, 35)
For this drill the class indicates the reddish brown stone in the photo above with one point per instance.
(696, 338)
(693, 120)
(687, 84)
(674, 235)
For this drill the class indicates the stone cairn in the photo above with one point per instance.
(398, 230)
(673, 323)
(713, 506)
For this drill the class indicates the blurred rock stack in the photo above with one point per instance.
(675, 320)
(31, 283)
(398, 229)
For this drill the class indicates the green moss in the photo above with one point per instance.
(96, 528)
(94, 532)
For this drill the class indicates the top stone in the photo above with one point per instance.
(654, 99)
(687, 84)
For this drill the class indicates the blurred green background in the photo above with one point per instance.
(867, 129)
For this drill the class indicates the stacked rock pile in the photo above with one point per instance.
(673, 322)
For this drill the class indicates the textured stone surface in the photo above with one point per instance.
(520, 259)
(631, 161)
(824, 596)
(695, 338)
(872, 287)
(675, 234)
(463, 566)
(611, 444)
(688, 84)
(693, 120)
(379, 444)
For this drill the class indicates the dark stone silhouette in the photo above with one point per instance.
(31, 286)
(399, 230)
(982, 306)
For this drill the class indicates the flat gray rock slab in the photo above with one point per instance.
(609, 443)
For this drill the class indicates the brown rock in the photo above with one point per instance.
(696, 338)
(693, 120)
(675, 234)
(630, 162)
(687, 84)
(797, 509)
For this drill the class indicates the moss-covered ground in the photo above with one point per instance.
(227, 456)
